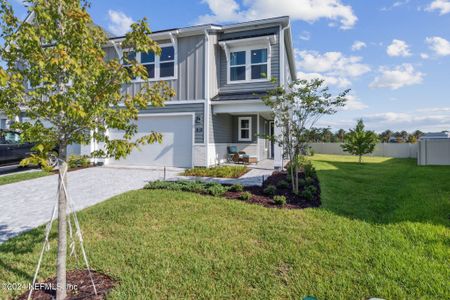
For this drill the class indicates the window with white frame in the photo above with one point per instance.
(248, 65)
(245, 129)
(158, 67)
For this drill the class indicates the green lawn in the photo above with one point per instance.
(22, 176)
(383, 231)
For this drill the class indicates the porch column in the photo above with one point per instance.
(277, 150)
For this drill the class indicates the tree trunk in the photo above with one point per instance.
(360, 159)
(62, 226)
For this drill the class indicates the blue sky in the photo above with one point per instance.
(394, 55)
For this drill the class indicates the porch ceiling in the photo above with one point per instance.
(240, 107)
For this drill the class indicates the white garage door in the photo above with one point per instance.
(175, 149)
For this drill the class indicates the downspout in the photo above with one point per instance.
(283, 50)
(278, 159)
(207, 100)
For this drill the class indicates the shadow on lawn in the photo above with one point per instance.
(24, 243)
(391, 191)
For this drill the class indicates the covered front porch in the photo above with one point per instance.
(243, 127)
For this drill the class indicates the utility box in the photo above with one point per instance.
(434, 151)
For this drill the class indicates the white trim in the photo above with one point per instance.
(236, 101)
(206, 105)
(257, 136)
(240, 138)
(248, 63)
(175, 102)
(177, 114)
(247, 45)
(157, 63)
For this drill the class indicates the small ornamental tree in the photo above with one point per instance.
(296, 109)
(359, 141)
(56, 74)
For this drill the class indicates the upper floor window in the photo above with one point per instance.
(158, 67)
(249, 65)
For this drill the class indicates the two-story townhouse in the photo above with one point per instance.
(219, 74)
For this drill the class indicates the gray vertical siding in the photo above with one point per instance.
(256, 86)
(190, 81)
(197, 108)
(191, 68)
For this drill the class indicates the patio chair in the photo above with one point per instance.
(234, 155)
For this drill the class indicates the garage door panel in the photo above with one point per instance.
(175, 149)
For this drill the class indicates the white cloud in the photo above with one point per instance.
(443, 6)
(305, 10)
(397, 77)
(353, 103)
(358, 45)
(334, 67)
(398, 48)
(329, 80)
(427, 119)
(305, 35)
(410, 120)
(440, 46)
(424, 56)
(332, 63)
(119, 22)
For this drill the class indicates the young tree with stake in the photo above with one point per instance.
(59, 54)
(297, 108)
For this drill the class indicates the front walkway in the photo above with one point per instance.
(256, 176)
(28, 204)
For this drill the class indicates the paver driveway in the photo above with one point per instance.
(28, 204)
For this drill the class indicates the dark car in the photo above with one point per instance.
(12, 150)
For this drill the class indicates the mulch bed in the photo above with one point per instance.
(293, 201)
(80, 287)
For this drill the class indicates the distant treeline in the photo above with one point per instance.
(325, 135)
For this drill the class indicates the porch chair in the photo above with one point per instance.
(234, 155)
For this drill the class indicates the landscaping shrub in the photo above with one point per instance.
(301, 182)
(309, 181)
(311, 188)
(283, 184)
(270, 190)
(219, 172)
(279, 200)
(245, 196)
(307, 194)
(76, 161)
(217, 190)
(237, 188)
(164, 185)
(309, 169)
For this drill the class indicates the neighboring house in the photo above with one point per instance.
(219, 74)
(435, 135)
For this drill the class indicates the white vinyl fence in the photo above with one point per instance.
(434, 152)
(381, 149)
